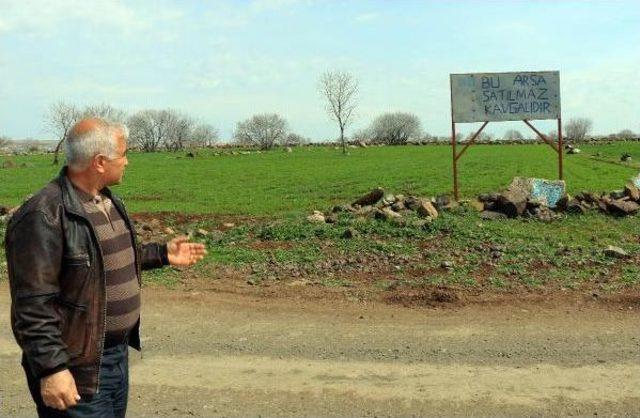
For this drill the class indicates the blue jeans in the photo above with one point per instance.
(111, 399)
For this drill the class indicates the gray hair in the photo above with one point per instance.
(80, 148)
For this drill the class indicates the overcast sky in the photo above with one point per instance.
(222, 61)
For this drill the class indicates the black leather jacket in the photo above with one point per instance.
(57, 281)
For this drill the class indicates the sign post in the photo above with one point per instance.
(489, 97)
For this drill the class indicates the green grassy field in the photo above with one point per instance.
(276, 183)
(280, 246)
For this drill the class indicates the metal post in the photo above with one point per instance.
(455, 161)
(560, 148)
(453, 146)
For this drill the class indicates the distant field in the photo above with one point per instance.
(275, 183)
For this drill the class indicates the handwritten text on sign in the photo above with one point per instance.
(505, 96)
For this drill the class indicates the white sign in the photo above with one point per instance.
(484, 97)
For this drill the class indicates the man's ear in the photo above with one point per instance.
(98, 163)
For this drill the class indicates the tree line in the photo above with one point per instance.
(153, 130)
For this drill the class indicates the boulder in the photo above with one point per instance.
(316, 217)
(331, 218)
(386, 214)
(631, 190)
(575, 207)
(349, 233)
(615, 252)
(617, 194)
(412, 203)
(398, 206)
(513, 202)
(443, 202)
(370, 198)
(427, 210)
(623, 207)
(365, 210)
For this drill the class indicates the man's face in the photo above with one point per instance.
(114, 167)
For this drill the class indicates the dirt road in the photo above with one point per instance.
(223, 354)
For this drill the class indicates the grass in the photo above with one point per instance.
(277, 183)
(281, 188)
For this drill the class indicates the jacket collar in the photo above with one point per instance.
(70, 198)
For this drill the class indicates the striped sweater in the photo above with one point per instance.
(123, 289)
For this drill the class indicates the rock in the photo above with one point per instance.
(349, 233)
(622, 207)
(575, 207)
(625, 158)
(386, 214)
(412, 203)
(341, 208)
(370, 198)
(288, 149)
(362, 144)
(617, 194)
(427, 210)
(632, 191)
(615, 252)
(331, 218)
(563, 202)
(488, 197)
(201, 233)
(447, 265)
(513, 202)
(389, 200)
(443, 202)
(316, 217)
(169, 231)
(146, 227)
(398, 206)
(228, 225)
(492, 215)
(573, 151)
(365, 210)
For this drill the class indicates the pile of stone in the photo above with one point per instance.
(618, 202)
(525, 197)
(388, 207)
(545, 200)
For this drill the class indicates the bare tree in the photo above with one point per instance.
(577, 129)
(104, 111)
(264, 131)
(513, 135)
(58, 120)
(149, 129)
(625, 134)
(340, 89)
(362, 135)
(395, 128)
(204, 135)
(294, 139)
(180, 129)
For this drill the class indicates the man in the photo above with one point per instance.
(74, 272)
